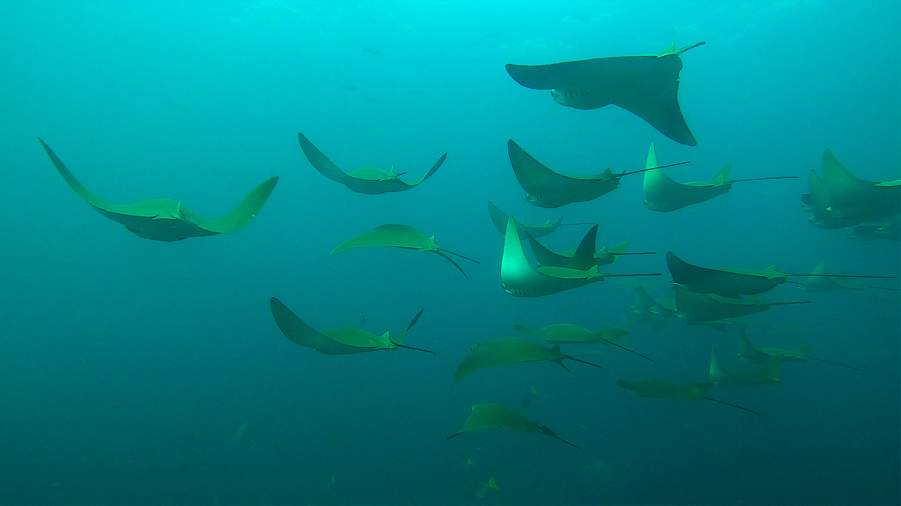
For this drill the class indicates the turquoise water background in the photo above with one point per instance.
(134, 371)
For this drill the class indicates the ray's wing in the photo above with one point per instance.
(429, 173)
(242, 214)
(300, 333)
(546, 257)
(322, 164)
(498, 218)
(857, 200)
(583, 258)
(143, 209)
(648, 87)
(748, 351)
(534, 177)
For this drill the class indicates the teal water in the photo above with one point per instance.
(138, 372)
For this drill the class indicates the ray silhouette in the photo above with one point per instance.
(546, 188)
(168, 220)
(509, 351)
(760, 355)
(663, 194)
(646, 306)
(645, 85)
(340, 341)
(695, 307)
(840, 199)
(499, 218)
(768, 373)
(400, 236)
(498, 416)
(369, 180)
(660, 389)
(582, 258)
(735, 282)
(520, 279)
(567, 333)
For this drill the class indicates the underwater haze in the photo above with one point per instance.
(135, 371)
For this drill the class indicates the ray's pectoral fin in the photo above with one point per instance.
(322, 164)
(243, 213)
(429, 173)
(76, 186)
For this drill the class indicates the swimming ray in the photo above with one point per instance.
(735, 282)
(567, 333)
(660, 389)
(482, 487)
(760, 355)
(822, 282)
(840, 199)
(498, 416)
(509, 351)
(520, 279)
(583, 257)
(663, 194)
(399, 236)
(369, 180)
(499, 218)
(646, 304)
(768, 373)
(546, 188)
(695, 307)
(166, 219)
(645, 85)
(340, 341)
(889, 229)
(646, 311)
